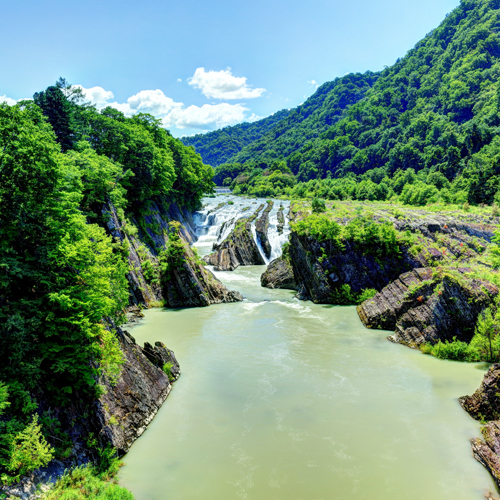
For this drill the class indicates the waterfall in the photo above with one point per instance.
(218, 217)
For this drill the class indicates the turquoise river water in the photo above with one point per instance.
(287, 400)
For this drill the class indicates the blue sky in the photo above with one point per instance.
(200, 65)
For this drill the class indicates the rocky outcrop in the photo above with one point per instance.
(238, 249)
(163, 358)
(279, 274)
(484, 404)
(127, 407)
(320, 268)
(187, 283)
(487, 451)
(428, 305)
(143, 237)
(261, 229)
(120, 415)
(281, 220)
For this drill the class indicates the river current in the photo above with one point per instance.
(281, 399)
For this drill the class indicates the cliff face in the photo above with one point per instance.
(191, 284)
(238, 249)
(126, 408)
(484, 405)
(321, 268)
(427, 305)
(116, 419)
(188, 284)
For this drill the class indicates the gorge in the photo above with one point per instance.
(282, 398)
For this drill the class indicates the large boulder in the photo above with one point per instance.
(279, 274)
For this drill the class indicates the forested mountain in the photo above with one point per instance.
(434, 114)
(63, 277)
(218, 146)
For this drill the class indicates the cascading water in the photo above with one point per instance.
(216, 221)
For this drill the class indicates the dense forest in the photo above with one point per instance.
(423, 130)
(219, 146)
(61, 273)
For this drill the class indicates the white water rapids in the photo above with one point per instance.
(215, 224)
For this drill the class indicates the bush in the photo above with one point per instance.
(84, 483)
(167, 368)
(366, 294)
(28, 451)
(318, 206)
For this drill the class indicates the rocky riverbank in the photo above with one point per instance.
(117, 418)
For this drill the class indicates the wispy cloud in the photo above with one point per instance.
(313, 83)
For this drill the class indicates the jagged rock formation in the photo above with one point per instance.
(261, 229)
(281, 219)
(279, 274)
(125, 410)
(428, 305)
(238, 249)
(320, 268)
(144, 237)
(116, 419)
(162, 357)
(189, 284)
(484, 405)
(487, 452)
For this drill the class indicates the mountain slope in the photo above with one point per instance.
(219, 146)
(435, 110)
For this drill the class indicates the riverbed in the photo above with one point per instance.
(287, 400)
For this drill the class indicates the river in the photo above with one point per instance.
(287, 400)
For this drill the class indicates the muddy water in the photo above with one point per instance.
(287, 400)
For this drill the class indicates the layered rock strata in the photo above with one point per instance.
(281, 220)
(279, 274)
(427, 305)
(320, 268)
(128, 406)
(484, 405)
(190, 284)
(239, 248)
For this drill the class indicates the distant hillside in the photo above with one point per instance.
(219, 146)
(434, 110)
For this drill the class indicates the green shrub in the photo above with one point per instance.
(167, 368)
(366, 294)
(28, 451)
(85, 483)
(318, 205)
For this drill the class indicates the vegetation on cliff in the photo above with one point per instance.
(61, 274)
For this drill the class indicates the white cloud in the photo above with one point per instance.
(314, 83)
(152, 101)
(97, 95)
(223, 85)
(179, 80)
(207, 117)
(173, 114)
(8, 100)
